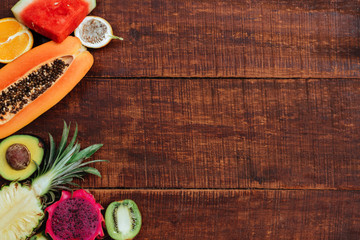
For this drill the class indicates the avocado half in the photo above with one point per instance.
(20, 146)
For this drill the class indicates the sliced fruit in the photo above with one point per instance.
(39, 236)
(15, 39)
(123, 219)
(95, 32)
(20, 211)
(54, 19)
(75, 216)
(19, 155)
(21, 206)
(39, 79)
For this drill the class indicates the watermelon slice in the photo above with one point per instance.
(55, 19)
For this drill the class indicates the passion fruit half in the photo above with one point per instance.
(95, 32)
(123, 220)
(19, 155)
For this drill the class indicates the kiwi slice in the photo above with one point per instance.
(123, 219)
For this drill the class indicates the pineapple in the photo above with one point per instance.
(21, 205)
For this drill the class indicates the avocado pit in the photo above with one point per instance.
(18, 156)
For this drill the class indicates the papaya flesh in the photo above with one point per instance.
(39, 79)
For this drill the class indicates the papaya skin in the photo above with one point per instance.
(81, 64)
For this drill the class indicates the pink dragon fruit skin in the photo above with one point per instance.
(76, 217)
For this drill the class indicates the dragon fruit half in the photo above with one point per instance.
(75, 216)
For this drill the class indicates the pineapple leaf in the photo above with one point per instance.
(74, 184)
(37, 167)
(52, 198)
(63, 140)
(86, 153)
(78, 147)
(92, 171)
(63, 188)
(50, 159)
(72, 142)
(64, 164)
(65, 160)
(93, 161)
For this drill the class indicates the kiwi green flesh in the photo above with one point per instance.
(123, 220)
(13, 153)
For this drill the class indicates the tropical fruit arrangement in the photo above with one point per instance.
(41, 201)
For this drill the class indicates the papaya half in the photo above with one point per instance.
(39, 79)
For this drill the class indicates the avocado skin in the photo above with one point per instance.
(35, 145)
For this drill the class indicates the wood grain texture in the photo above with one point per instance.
(234, 215)
(234, 38)
(229, 133)
(206, 154)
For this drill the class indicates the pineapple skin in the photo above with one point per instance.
(21, 211)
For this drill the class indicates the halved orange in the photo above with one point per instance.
(15, 39)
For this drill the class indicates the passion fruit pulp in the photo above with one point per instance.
(123, 220)
(19, 155)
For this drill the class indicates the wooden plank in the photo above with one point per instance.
(196, 214)
(233, 38)
(201, 133)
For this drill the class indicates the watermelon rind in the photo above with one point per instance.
(22, 4)
(92, 4)
(18, 7)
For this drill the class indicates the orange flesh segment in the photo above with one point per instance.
(14, 47)
(8, 29)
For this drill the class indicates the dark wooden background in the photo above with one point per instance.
(225, 119)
